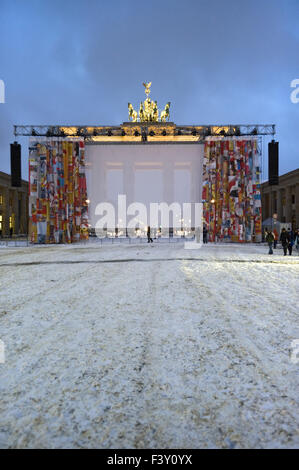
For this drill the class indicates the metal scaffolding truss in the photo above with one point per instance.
(146, 129)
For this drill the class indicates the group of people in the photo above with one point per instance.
(288, 239)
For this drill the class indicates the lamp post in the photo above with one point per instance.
(212, 202)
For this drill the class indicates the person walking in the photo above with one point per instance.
(275, 238)
(291, 241)
(205, 235)
(297, 240)
(284, 238)
(270, 239)
(149, 238)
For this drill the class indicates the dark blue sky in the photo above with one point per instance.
(80, 62)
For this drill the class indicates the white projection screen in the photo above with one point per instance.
(145, 173)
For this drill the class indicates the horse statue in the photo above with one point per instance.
(141, 112)
(165, 113)
(148, 110)
(155, 111)
(133, 115)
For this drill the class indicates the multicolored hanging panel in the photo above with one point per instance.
(58, 207)
(232, 190)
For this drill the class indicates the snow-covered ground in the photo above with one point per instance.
(137, 346)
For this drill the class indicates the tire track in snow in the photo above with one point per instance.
(245, 349)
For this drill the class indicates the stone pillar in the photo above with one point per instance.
(96, 187)
(271, 202)
(289, 204)
(129, 190)
(297, 205)
(6, 212)
(168, 182)
(25, 213)
(168, 191)
(23, 222)
(265, 206)
(100, 181)
(195, 182)
(15, 210)
(275, 202)
(129, 181)
(279, 205)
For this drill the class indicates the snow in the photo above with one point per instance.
(137, 346)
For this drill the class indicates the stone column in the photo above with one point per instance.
(273, 210)
(26, 210)
(297, 205)
(279, 205)
(15, 210)
(129, 181)
(129, 191)
(6, 212)
(289, 204)
(168, 182)
(168, 192)
(195, 182)
(268, 205)
(271, 203)
(23, 221)
(100, 181)
(265, 206)
(96, 187)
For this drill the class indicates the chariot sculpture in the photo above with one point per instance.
(148, 109)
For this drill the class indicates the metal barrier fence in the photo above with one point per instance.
(25, 241)
(15, 241)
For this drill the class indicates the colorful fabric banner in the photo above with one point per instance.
(231, 190)
(58, 208)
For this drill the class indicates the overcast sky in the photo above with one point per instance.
(218, 62)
